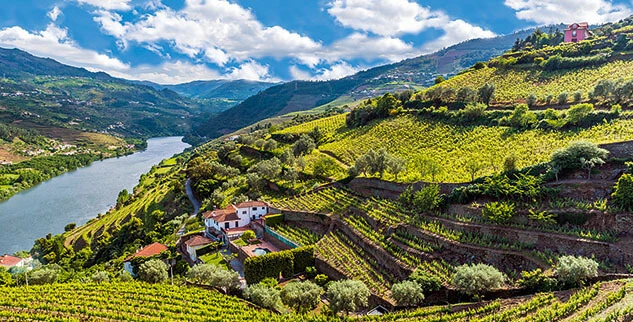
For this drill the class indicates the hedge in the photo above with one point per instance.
(274, 220)
(285, 263)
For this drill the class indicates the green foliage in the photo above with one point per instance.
(215, 276)
(6, 279)
(623, 192)
(439, 79)
(301, 296)
(303, 146)
(153, 271)
(284, 263)
(576, 113)
(379, 163)
(498, 212)
(476, 278)
(573, 270)
(321, 279)
(311, 271)
(427, 199)
(274, 220)
(248, 235)
(407, 293)
(43, 276)
(521, 118)
(347, 296)
(70, 227)
(429, 282)
(101, 277)
(486, 93)
(562, 98)
(264, 296)
(537, 281)
(571, 157)
(531, 99)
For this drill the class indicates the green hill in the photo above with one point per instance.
(547, 71)
(304, 95)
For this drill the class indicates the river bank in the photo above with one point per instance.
(77, 196)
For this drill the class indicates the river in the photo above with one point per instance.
(76, 196)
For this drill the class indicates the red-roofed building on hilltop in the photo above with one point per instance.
(8, 261)
(147, 251)
(577, 32)
(234, 218)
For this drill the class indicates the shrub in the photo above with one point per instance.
(321, 279)
(428, 282)
(301, 296)
(486, 93)
(578, 112)
(43, 276)
(125, 277)
(498, 212)
(311, 271)
(270, 282)
(577, 96)
(100, 277)
(531, 100)
(573, 270)
(248, 235)
(153, 271)
(536, 281)
(623, 192)
(562, 98)
(616, 109)
(284, 263)
(407, 293)
(427, 199)
(473, 279)
(347, 295)
(570, 158)
(264, 296)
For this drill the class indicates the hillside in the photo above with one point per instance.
(408, 74)
(46, 93)
(553, 75)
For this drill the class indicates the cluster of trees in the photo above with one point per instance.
(577, 155)
(376, 109)
(614, 92)
(539, 39)
(439, 95)
(424, 200)
(372, 163)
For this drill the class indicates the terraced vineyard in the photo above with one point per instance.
(124, 301)
(456, 149)
(326, 201)
(514, 84)
(302, 236)
(340, 252)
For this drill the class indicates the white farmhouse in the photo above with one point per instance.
(234, 220)
(195, 243)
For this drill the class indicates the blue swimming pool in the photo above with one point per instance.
(261, 251)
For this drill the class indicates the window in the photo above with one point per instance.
(226, 225)
(244, 212)
(573, 33)
(236, 224)
(253, 217)
(263, 208)
(254, 208)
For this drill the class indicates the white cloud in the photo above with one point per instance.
(568, 11)
(53, 42)
(218, 30)
(385, 17)
(336, 71)
(250, 71)
(54, 13)
(391, 18)
(123, 5)
(455, 32)
(170, 73)
(360, 45)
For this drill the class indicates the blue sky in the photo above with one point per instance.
(175, 41)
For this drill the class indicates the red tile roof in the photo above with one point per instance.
(9, 261)
(249, 204)
(198, 241)
(149, 250)
(222, 215)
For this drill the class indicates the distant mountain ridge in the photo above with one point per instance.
(407, 74)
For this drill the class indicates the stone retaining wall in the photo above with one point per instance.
(373, 187)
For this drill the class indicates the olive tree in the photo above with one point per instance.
(153, 271)
(264, 296)
(347, 295)
(301, 296)
(100, 277)
(215, 276)
(407, 293)
(574, 270)
(473, 279)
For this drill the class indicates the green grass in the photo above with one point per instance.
(240, 242)
(213, 258)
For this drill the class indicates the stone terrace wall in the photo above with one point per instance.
(371, 187)
(620, 150)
